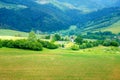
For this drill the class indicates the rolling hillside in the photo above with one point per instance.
(7, 32)
(57, 15)
(11, 6)
(115, 28)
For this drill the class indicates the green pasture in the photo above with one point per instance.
(7, 32)
(100, 63)
(115, 28)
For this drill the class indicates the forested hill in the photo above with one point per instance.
(55, 15)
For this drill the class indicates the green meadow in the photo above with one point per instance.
(115, 28)
(13, 34)
(99, 63)
(8, 32)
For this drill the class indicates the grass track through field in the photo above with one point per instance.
(57, 64)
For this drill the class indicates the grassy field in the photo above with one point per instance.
(7, 32)
(115, 28)
(100, 63)
(12, 34)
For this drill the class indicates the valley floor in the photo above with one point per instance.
(100, 63)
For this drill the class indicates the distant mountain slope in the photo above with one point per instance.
(92, 5)
(115, 28)
(83, 5)
(35, 16)
(55, 15)
(11, 6)
(99, 19)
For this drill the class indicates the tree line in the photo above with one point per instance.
(32, 43)
(80, 43)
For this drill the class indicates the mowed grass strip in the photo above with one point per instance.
(59, 64)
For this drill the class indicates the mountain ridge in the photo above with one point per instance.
(54, 15)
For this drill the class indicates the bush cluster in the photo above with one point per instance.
(22, 44)
(0, 44)
(110, 43)
(89, 45)
(48, 45)
(27, 44)
(75, 47)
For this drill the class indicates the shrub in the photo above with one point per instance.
(62, 45)
(35, 46)
(51, 46)
(48, 45)
(4, 42)
(111, 43)
(114, 43)
(95, 43)
(44, 43)
(57, 37)
(27, 44)
(100, 42)
(89, 45)
(8, 43)
(83, 46)
(47, 37)
(75, 47)
(79, 40)
(0, 44)
(106, 43)
(20, 44)
(23, 44)
(32, 36)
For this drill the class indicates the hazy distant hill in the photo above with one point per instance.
(55, 15)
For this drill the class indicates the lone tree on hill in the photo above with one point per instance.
(32, 36)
